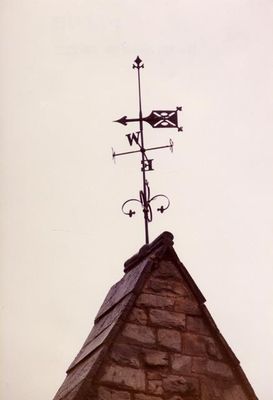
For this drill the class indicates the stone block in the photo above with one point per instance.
(167, 270)
(138, 316)
(105, 393)
(154, 375)
(219, 368)
(213, 350)
(198, 345)
(194, 344)
(199, 365)
(211, 390)
(176, 397)
(139, 333)
(186, 306)
(155, 301)
(167, 319)
(181, 363)
(140, 396)
(235, 392)
(124, 377)
(125, 355)
(211, 367)
(155, 386)
(169, 338)
(180, 385)
(197, 325)
(187, 397)
(156, 358)
(165, 287)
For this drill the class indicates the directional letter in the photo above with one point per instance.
(133, 137)
(147, 165)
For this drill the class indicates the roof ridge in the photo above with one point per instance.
(164, 239)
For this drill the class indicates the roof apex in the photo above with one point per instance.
(117, 307)
(165, 240)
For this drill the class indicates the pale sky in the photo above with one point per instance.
(66, 74)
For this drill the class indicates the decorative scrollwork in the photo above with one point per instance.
(145, 201)
(162, 208)
(130, 212)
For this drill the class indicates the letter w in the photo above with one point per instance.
(133, 137)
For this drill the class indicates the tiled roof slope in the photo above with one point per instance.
(154, 339)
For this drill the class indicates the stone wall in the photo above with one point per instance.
(165, 350)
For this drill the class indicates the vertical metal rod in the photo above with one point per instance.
(145, 207)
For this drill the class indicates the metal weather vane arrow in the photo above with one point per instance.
(157, 119)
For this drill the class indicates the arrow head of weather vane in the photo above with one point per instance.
(157, 119)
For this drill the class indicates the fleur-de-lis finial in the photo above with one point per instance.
(137, 63)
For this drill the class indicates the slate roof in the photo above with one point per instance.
(116, 307)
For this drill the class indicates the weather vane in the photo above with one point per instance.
(157, 119)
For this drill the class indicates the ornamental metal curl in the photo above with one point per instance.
(156, 119)
(146, 205)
